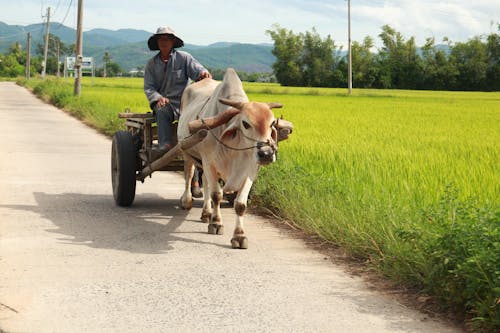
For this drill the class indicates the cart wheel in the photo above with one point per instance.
(123, 168)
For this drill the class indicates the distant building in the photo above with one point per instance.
(136, 72)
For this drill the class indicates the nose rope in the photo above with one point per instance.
(258, 145)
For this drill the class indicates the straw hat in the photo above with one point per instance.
(153, 40)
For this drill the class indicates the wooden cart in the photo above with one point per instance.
(134, 157)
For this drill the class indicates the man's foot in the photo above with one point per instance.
(156, 152)
(196, 192)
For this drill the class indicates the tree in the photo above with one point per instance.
(17, 52)
(13, 63)
(316, 61)
(412, 66)
(55, 49)
(438, 71)
(363, 63)
(287, 49)
(493, 62)
(471, 62)
(10, 67)
(399, 59)
(306, 59)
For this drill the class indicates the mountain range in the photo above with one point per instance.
(128, 48)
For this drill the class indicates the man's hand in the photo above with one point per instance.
(204, 75)
(162, 102)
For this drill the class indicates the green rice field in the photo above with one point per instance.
(408, 181)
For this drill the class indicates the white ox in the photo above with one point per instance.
(232, 151)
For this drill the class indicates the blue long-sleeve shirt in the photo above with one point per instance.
(170, 79)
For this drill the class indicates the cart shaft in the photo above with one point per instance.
(173, 153)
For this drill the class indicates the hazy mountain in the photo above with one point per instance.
(128, 48)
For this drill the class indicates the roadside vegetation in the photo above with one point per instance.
(406, 180)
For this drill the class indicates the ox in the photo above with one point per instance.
(242, 137)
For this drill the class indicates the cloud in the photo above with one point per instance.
(459, 20)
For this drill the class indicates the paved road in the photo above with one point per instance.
(71, 261)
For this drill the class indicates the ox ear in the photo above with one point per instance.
(229, 133)
(273, 105)
(234, 104)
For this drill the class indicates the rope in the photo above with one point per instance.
(233, 148)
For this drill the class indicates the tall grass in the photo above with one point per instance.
(408, 180)
(100, 102)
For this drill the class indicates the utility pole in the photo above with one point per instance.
(58, 46)
(28, 57)
(46, 48)
(79, 50)
(349, 48)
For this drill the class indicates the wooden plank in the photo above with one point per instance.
(141, 120)
(133, 124)
(127, 115)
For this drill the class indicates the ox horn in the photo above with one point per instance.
(238, 105)
(273, 105)
(212, 122)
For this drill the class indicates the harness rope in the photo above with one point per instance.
(259, 144)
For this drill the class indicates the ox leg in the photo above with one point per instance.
(206, 214)
(187, 197)
(239, 240)
(215, 226)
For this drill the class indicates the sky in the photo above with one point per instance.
(203, 22)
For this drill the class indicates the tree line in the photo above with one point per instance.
(306, 59)
(13, 62)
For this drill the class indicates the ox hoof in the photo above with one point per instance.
(186, 204)
(206, 218)
(239, 242)
(215, 229)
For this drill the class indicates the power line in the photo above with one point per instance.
(57, 7)
(65, 16)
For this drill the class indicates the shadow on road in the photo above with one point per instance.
(148, 226)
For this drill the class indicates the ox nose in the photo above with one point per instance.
(266, 155)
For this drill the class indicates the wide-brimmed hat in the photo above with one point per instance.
(153, 40)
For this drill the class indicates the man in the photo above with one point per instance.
(166, 76)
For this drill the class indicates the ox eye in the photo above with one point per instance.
(246, 125)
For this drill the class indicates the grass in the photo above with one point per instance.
(407, 180)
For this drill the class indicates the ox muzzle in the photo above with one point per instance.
(266, 152)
